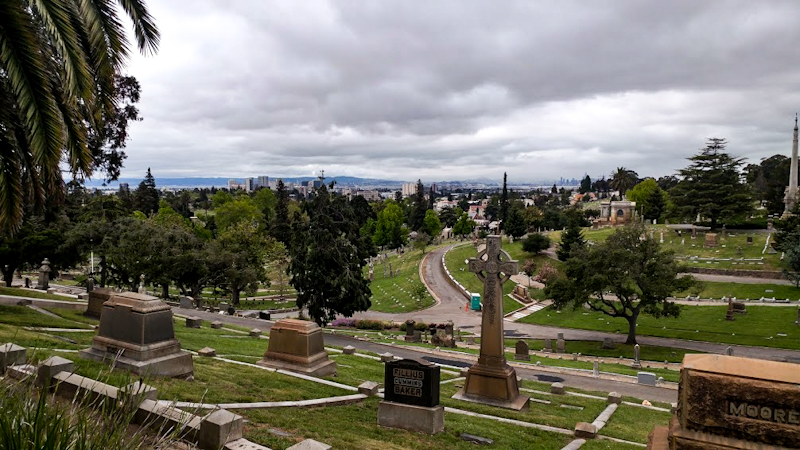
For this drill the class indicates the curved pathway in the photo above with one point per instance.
(450, 302)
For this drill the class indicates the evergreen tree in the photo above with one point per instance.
(571, 240)
(504, 203)
(554, 189)
(515, 224)
(281, 228)
(623, 179)
(328, 255)
(420, 206)
(145, 198)
(586, 185)
(712, 186)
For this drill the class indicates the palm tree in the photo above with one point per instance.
(623, 179)
(58, 63)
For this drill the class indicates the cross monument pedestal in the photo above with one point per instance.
(492, 381)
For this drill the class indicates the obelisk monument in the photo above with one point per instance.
(492, 381)
(791, 191)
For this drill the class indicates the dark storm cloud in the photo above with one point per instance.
(449, 90)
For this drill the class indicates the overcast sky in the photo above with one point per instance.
(444, 90)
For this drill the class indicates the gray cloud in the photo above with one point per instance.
(453, 89)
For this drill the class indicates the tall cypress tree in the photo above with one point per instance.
(420, 206)
(145, 199)
(281, 228)
(571, 239)
(504, 203)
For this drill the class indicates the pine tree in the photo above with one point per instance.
(281, 228)
(420, 206)
(571, 240)
(712, 186)
(328, 255)
(504, 203)
(145, 199)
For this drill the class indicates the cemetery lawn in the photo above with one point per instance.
(744, 291)
(593, 348)
(33, 294)
(759, 327)
(728, 247)
(454, 260)
(351, 426)
(401, 293)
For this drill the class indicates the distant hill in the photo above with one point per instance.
(192, 182)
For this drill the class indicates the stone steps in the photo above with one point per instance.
(525, 312)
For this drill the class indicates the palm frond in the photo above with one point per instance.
(23, 58)
(144, 26)
(55, 16)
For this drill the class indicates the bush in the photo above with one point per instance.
(536, 243)
(366, 324)
(344, 322)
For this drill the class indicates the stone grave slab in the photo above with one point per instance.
(297, 345)
(136, 333)
(11, 354)
(733, 402)
(97, 297)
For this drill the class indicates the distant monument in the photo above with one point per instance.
(136, 333)
(492, 381)
(791, 190)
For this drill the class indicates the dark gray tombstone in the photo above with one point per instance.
(522, 351)
(412, 382)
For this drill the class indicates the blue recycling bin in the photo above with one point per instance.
(476, 302)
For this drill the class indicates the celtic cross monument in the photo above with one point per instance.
(492, 381)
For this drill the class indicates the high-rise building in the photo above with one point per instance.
(409, 189)
(249, 184)
(263, 181)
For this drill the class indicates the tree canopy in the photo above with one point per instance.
(59, 65)
(712, 186)
(632, 266)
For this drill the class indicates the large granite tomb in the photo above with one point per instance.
(297, 345)
(136, 333)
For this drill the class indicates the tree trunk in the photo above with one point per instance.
(235, 296)
(632, 328)
(165, 291)
(8, 276)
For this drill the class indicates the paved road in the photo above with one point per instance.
(735, 279)
(451, 307)
(577, 381)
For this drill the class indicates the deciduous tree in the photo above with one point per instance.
(632, 266)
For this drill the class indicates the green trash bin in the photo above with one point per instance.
(476, 302)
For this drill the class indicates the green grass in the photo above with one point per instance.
(33, 294)
(454, 260)
(743, 291)
(593, 348)
(760, 326)
(24, 316)
(695, 248)
(352, 426)
(398, 294)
